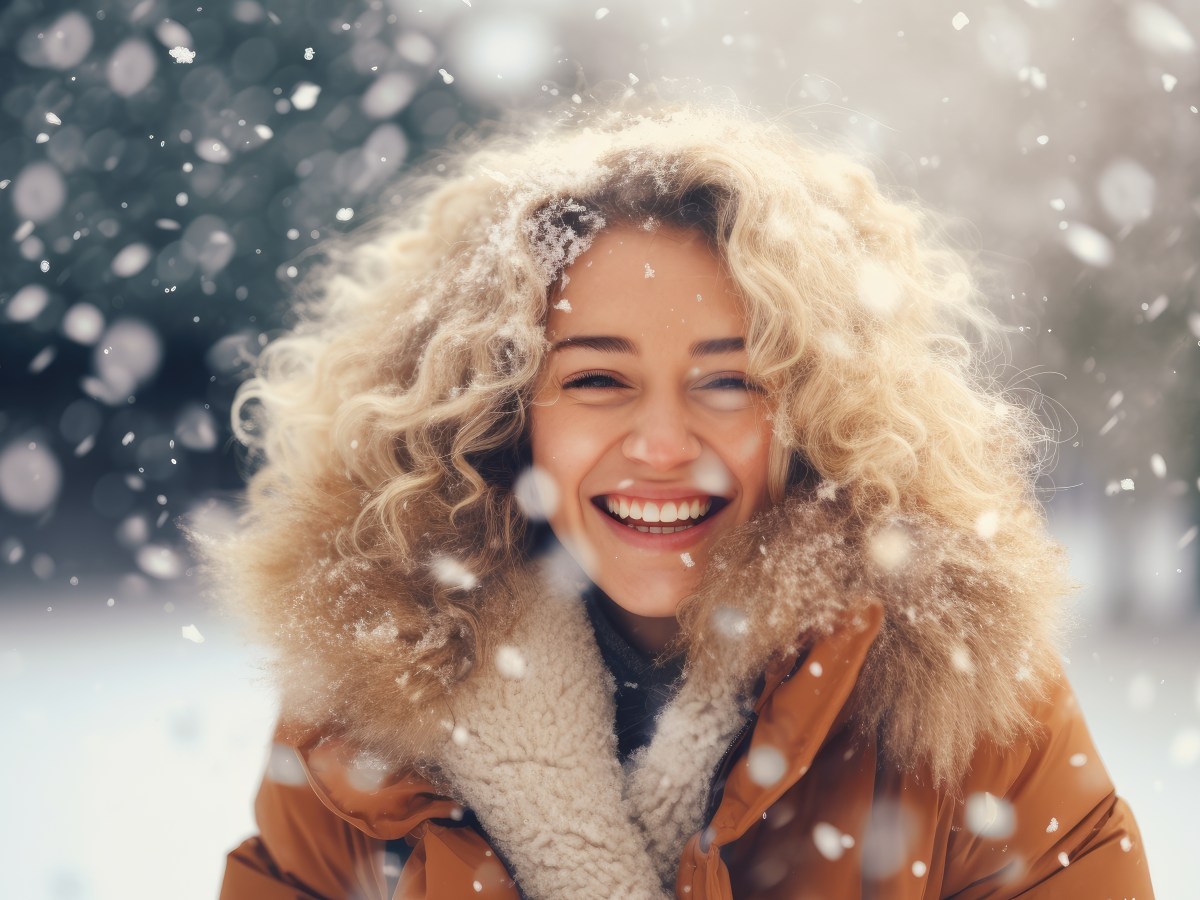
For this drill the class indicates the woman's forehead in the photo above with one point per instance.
(657, 282)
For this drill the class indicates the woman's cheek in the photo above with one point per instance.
(566, 448)
(752, 444)
(577, 442)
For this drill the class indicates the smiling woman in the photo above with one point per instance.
(636, 518)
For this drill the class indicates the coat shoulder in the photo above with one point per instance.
(1041, 814)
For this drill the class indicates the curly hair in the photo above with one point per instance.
(390, 422)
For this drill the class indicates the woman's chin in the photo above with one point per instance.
(649, 600)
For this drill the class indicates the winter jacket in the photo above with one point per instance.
(915, 737)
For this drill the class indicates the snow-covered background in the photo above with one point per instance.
(166, 168)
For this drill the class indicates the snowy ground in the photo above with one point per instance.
(133, 753)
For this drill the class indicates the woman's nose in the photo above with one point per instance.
(662, 437)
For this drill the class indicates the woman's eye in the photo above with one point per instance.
(733, 383)
(593, 380)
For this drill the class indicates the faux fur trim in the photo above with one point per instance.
(966, 644)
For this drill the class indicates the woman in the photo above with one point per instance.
(637, 520)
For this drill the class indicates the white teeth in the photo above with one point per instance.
(651, 511)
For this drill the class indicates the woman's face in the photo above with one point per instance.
(644, 418)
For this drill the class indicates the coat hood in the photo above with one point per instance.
(963, 643)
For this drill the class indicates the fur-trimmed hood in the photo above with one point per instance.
(962, 645)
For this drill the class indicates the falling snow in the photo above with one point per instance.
(165, 164)
(879, 290)
(1187, 537)
(27, 303)
(83, 323)
(453, 574)
(1089, 245)
(987, 523)
(1127, 191)
(30, 478)
(536, 493)
(890, 548)
(1185, 747)
(511, 662)
(830, 841)
(1159, 30)
(766, 765)
(732, 623)
(305, 94)
(989, 816)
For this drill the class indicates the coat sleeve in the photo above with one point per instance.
(303, 852)
(1043, 820)
(306, 851)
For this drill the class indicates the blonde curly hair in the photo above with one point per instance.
(390, 422)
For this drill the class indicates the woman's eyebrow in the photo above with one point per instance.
(603, 343)
(610, 344)
(718, 345)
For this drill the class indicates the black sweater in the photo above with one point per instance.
(643, 688)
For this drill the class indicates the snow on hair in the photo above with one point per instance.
(390, 422)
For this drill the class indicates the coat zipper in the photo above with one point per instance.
(720, 776)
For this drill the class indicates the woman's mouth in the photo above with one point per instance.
(659, 516)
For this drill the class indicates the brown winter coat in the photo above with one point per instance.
(914, 738)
